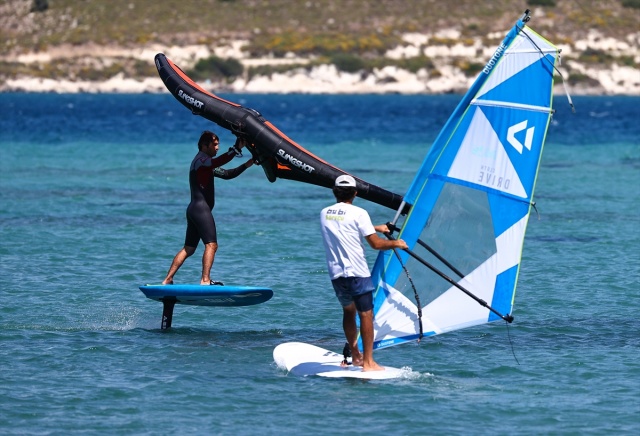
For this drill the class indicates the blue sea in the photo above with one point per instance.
(93, 190)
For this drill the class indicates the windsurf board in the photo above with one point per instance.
(303, 359)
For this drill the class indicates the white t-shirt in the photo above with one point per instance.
(343, 227)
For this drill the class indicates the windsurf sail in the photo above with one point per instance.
(469, 202)
(279, 156)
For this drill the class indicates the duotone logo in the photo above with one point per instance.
(528, 139)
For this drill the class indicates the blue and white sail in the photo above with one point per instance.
(470, 201)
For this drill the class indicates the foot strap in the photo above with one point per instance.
(346, 352)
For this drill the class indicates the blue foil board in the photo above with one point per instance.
(212, 295)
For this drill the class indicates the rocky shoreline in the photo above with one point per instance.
(596, 79)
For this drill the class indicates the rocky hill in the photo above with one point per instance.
(409, 46)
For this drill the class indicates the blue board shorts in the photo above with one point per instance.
(358, 290)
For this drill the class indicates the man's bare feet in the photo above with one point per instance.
(372, 366)
(356, 359)
(167, 283)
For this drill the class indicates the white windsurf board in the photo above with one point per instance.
(305, 359)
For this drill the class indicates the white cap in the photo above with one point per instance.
(346, 181)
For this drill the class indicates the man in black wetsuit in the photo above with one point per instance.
(200, 223)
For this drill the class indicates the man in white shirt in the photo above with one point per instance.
(343, 226)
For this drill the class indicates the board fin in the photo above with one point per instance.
(168, 303)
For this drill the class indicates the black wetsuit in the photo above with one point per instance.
(200, 223)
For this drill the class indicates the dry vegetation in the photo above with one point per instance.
(328, 28)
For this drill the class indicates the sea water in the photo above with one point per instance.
(93, 190)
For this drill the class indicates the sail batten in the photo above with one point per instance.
(470, 201)
(478, 102)
(533, 50)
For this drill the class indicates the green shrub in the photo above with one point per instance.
(142, 69)
(627, 61)
(595, 56)
(268, 70)
(582, 79)
(347, 62)
(470, 69)
(94, 75)
(633, 4)
(415, 64)
(541, 2)
(9, 69)
(215, 68)
(39, 5)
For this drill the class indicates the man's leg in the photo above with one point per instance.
(207, 262)
(366, 332)
(178, 260)
(351, 332)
